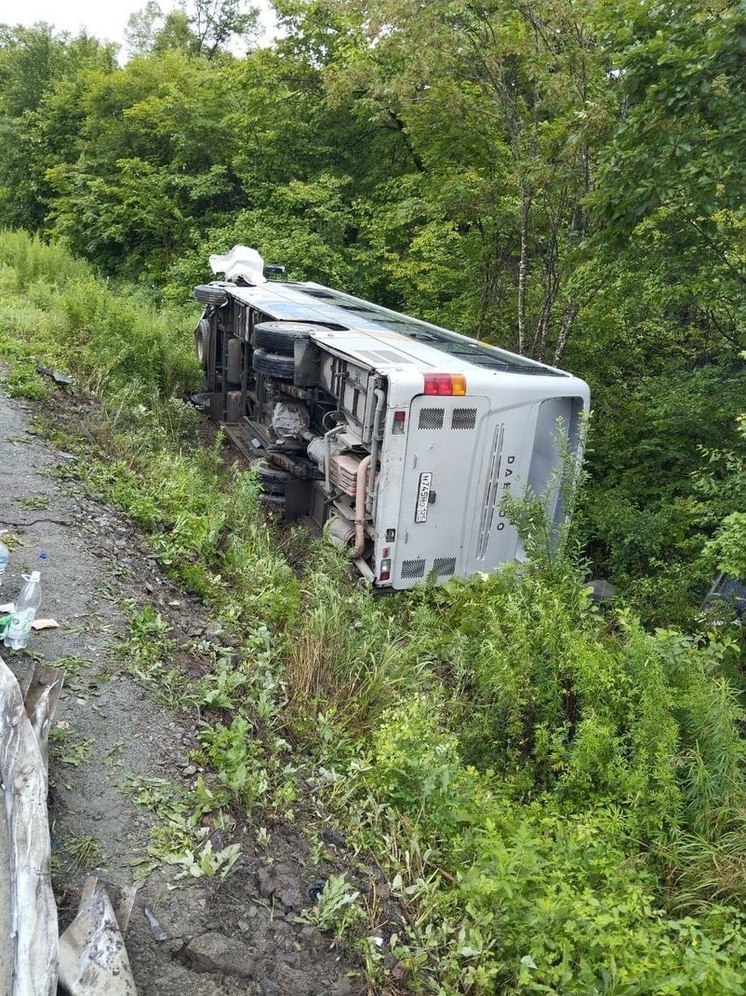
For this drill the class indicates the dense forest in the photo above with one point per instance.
(559, 789)
(562, 179)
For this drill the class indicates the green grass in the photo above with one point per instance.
(82, 852)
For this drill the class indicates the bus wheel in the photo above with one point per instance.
(281, 336)
(202, 341)
(273, 480)
(273, 364)
(208, 294)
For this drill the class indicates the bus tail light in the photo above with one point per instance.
(400, 418)
(384, 573)
(445, 384)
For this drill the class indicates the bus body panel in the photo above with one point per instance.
(412, 482)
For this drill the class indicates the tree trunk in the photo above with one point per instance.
(523, 268)
(568, 318)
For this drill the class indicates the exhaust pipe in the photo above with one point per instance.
(362, 480)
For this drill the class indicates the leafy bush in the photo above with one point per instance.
(563, 773)
(109, 341)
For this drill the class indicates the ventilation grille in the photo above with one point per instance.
(463, 418)
(385, 356)
(491, 492)
(431, 418)
(413, 569)
(444, 566)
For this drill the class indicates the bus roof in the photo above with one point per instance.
(311, 302)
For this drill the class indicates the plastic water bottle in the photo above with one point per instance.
(29, 600)
(4, 557)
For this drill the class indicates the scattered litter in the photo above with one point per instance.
(45, 624)
(155, 925)
(57, 377)
(315, 889)
(8, 607)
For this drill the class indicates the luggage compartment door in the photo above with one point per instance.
(444, 440)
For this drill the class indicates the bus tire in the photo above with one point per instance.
(280, 337)
(273, 364)
(274, 502)
(274, 480)
(208, 294)
(202, 341)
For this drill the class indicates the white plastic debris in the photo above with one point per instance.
(93, 958)
(28, 915)
(241, 261)
(45, 624)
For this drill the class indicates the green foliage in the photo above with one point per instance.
(147, 650)
(337, 908)
(725, 479)
(676, 160)
(562, 769)
(417, 763)
(218, 690)
(23, 381)
(346, 660)
(235, 752)
(666, 471)
(67, 316)
(40, 71)
(729, 545)
(201, 28)
(179, 836)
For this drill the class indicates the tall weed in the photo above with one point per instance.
(347, 656)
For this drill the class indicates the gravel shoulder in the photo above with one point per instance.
(210, 937)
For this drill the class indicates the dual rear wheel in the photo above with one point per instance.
(274, 484)
(274, 347)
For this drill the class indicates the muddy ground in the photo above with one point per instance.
(200, 936)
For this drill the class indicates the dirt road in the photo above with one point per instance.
(240, 936)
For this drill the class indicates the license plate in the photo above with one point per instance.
(423, 497)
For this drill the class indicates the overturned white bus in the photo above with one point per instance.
(398, 437)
